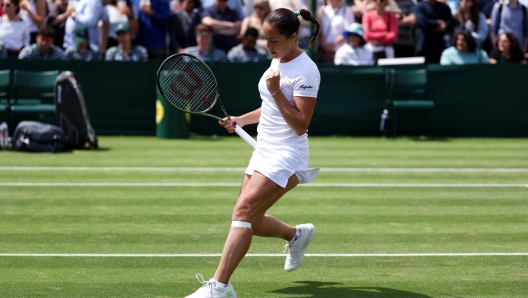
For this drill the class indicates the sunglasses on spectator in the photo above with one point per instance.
(222, 0)
(257, 7)
(8, 4)
(202, 33)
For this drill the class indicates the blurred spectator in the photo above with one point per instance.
(453, 5)
(203, 49)
(153, 19)
(33, 12)
(294, 5)
(59, 13)
(248, 50)
(353, 52)
(3, 50)
(114, 13)
(506, 50)
(125, 51)
(14, 32)
(510, 16)
(88, 13)
(380, 31)
(464, 51)
(404, 45)
(182, 24)
(335, 18)
(236, 5)
(225, 24)
(360, 7)
(433, 21)
(469, 17)
(256, 20)
(44, 49)
(83, 50)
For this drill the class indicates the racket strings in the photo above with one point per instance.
(188, 84)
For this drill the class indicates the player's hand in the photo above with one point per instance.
(230, 124)
(273, 81)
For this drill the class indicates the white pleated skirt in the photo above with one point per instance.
(279, 164)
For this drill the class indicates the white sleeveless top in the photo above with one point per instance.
(24, 15)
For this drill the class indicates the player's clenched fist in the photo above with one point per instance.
(273, 82)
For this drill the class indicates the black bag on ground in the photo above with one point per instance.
(71, 114)
(33, 136)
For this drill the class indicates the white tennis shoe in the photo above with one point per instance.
(212, 289)
(297, 248)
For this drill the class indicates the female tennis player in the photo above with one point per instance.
(280, 161)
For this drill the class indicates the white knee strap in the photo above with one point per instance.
(241, 224)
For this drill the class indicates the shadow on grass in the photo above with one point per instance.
(333, 289)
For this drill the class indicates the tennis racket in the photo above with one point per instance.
(189, 85)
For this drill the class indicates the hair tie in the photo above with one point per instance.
(296, 13)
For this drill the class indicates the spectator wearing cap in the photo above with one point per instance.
(248, 50)
(125, 51)
(203, 49)
(13, 30)
(114, 13)
(83, 50)
(44, 49)
(88, 13)
(510, 16)
(225, 24)
(464, 50)
(353, 52)
(153, 19)
(182, 24)
(433, 21)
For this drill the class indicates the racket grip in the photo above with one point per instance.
(244, 135)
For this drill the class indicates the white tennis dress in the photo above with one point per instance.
(280, 152)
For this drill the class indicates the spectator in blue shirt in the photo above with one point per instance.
(464, 50)
(153, 19)
(225, 23)
(510, 16)
(433, 21)
(88, 13)
(248, 51)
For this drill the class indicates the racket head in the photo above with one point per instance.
(187, 83)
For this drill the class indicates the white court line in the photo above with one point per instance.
(222, 169)
(485, 254)
(428, 185)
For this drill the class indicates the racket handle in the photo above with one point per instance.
(244, 135)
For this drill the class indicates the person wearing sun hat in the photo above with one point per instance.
(83, 50)
(125, 51)
(353, 52)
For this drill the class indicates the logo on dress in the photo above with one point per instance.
(305, 86)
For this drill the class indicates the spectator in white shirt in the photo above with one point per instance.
(33, 12)
(88, 13)
(353, 52)
(14, 32)
(335, 18)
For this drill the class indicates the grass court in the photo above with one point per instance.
(141, 216)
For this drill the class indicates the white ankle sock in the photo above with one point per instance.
(297, 235)
(219, 284)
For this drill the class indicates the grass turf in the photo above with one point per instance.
(178, 220)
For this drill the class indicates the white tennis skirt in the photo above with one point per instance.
(279, 164)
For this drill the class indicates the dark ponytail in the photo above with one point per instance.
(288, 22)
